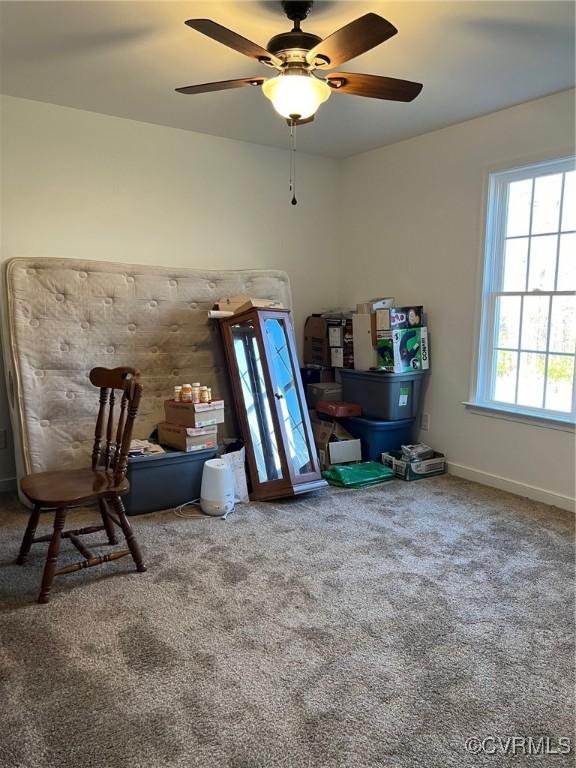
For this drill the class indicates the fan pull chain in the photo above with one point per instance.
(293, 161)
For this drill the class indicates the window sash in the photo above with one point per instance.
(493, 280)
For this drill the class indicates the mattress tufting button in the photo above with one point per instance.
(34, 323)
(175, 328)
(131, 327)
(173, 283)
(193, 348)
(39, 374)
(64, 347)
(153, 350)
(153, 303)
(110, 349)
(108, 300)
(84, 325)
(193, 305)
(59, 297)
(129, 278)
(211, 284)
(75, 446)
(70, 395)
(175, 372)
(44, 423)
(82, 275)
(30, 271)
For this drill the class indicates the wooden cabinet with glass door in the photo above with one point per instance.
(270, 403)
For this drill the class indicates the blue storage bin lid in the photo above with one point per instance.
(379, 426)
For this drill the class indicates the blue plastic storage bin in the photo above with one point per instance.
(377, 437)
(164, 480)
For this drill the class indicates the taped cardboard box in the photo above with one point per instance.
(403, 350)
(367, 307)
(398, 317)
(316, 346)
(242, 302)
(414, 470)
(187, 438)
(334, 444)
(194, 414)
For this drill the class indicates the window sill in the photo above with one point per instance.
(524, 417)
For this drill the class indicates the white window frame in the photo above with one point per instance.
(495, 238)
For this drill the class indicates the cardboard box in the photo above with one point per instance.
(316, 347)
(337, 357)
(414, 470)
(367, 307)
(243, 301)
(323, 391)
(187, 438)
(316, 375)
(338, 409)
(398, 317)
(194, 414)
(403, 350)
(334, 444)
(365, 356)
(336, 335)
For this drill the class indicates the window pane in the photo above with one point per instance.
(559, 383)
(567, 264)
(505, 378)
(515, 264)
(519, 199)
(542, 263)
(531, 379)
(569, 205)
(546, 208)
(535, 322)
(508, 321)
(563, 327)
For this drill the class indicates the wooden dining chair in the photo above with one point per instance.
(104, 483)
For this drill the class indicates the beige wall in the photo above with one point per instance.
(414, 214)
(83, 185)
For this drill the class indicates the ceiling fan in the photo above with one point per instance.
(297, 91)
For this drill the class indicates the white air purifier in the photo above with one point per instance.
(217, 490)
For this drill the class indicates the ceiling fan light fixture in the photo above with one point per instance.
(296, 95)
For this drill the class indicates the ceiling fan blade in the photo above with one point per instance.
(233, 40)
(350, 41)
(373, 86)
(300, 122)
(223, 85)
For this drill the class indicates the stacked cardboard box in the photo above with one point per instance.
(328, 341)
(391, 338)
(191, 426)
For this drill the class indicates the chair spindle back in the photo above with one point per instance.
(113, 456)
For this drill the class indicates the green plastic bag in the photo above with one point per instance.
(358, 475)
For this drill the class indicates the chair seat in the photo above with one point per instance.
(72, 486)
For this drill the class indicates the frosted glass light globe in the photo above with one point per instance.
(296, 96)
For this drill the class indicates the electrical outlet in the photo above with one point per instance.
(425, 422)
(3, 440)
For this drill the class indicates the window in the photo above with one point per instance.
(528, 327)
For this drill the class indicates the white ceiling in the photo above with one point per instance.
(126, 58)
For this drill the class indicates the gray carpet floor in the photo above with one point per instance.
(350, 629)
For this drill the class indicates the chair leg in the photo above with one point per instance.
(129, 534)
(51, 559)
(108, 524)
(29, 535)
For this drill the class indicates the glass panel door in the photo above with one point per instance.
(255, 397)
(290, 409)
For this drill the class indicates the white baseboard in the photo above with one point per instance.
(7, 484)
(512, 486)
